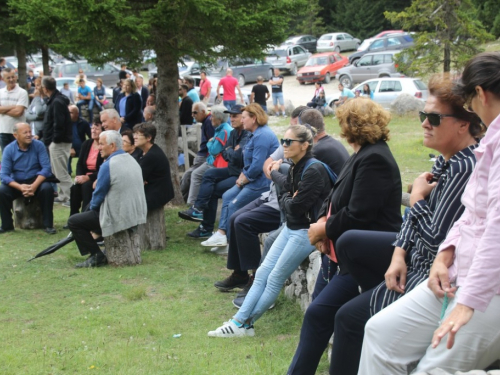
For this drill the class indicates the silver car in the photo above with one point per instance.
(60, 81)
(337, 42)
(288, 58)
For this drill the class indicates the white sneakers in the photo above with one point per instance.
(223, 250)
(230, 329)
(217, 239)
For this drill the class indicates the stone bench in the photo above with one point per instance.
(27, 216)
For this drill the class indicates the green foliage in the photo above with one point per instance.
(488, 14)
(309, 21)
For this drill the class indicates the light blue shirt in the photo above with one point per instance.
(347, 93)
(84, 91)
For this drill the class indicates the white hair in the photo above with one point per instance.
(200, 106)
(218, 113)
(112, 136)
(111, 112)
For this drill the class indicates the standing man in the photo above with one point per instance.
(189, 81)
(185, 106)
(85, 96)
(276, 83)
(58, 135)
(345, 94)
(260, 94)
(205, 87)
(229, 84)
(13, 103)
(122, 74)
(142, 90)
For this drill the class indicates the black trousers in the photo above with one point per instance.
(80, 196)
(81, 225)
(373, 251)
(45, 195)
(246, 224)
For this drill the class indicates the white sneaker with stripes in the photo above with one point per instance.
(231, 329)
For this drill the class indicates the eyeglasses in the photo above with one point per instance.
(287, 142)
(194, 112)
(434, 118)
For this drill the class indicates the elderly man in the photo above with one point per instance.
(25, 168)
(142, 90)
(13, 103)
(110, 119)
(200, 114)
(118, 201)
(229, 84)
(81, 131)
(149, 113)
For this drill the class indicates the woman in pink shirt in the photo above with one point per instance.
(453, 321)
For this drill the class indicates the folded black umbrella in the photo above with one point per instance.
(53, 248)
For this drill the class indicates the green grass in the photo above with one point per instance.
(56, 319)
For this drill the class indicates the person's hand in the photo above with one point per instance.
(72, 153)
(439, 280)
(295, 194)
(94, 184)
(82, 179)
(422, 187)
(237, 148)
(36, 137)
(395, 277)
(458, 317)
(316, 232)
(275, 165)
(26, 190)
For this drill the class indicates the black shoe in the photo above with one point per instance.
(66, 226)
(2, 231)
(191, 214)
(231, 282)
(50, 230)
(96, 260)
(200, 232)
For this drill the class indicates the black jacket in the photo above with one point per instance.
(144, 96)
(367, 193)
(81, 165)
(83, 130)
(314, 186)
(235, 158)
(57, 125)
(156, 174)
(133, 109)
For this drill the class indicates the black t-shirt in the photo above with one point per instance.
(331, 152)
(277, 88)
(260, 92)
(185, 114)
(122, 74)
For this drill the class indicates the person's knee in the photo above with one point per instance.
(345, 242)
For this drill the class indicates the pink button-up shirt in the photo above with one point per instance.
(476, 235)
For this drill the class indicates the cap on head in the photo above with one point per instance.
(235, 109)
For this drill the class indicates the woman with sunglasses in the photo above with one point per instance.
(307, 184)
(435, 206)
(451, 321)
(367, 196)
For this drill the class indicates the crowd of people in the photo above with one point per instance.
(399, 295)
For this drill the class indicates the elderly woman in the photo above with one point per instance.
(155, 167)
(367, 195)
(251, 182)
(215, 146)
(461, 298)
(435, 206)
(129, 144)
(129, 104)
(307, 184)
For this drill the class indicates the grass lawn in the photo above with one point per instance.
(56, 319)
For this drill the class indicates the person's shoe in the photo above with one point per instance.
(50, 230)
(66, 226)
(96, 260)
(200, 232)
(232, 329)
(220, 250)
(191, 214)
(59, 200)
(231, 282)
(2, 231)
(66, 204)
(217, 239)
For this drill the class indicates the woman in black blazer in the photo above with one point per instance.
(155, 167)
(129, 105)
(367, 196)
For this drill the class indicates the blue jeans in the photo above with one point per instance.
(264, 107)
(229, 103)
(211, 178)
(90, 108)
(5, 139)
(288, 251)
(278, 97)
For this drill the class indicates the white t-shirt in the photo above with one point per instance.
(17, 96)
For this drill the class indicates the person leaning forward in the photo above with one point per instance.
(118, 201)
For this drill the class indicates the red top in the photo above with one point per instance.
(229, 84)
(92, 159)
(205, 85)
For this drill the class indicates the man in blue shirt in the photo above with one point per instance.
(345, 94)
(25, 168)
(85, 96)
(192, 93)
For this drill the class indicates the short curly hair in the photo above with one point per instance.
(363, 121)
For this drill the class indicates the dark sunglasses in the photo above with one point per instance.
(433, 118)
(194, 112)
(287, 142)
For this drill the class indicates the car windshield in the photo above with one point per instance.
(420, 85)
(365, 44)
(326, 37)
(277, 52)
(314, 61)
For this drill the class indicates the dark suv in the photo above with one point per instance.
(306, 41)
(389, 42)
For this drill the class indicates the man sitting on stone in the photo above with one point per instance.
(118, 201)
(85, 96)
(25, 168)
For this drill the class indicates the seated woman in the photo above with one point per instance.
(155, 167)
(87, 167)
(251, 182)
(307, 185)
(99, 94)
(129, 104)
(129, 144)
(367, 195)
(314, 101)
(367, 91)
(435, 206)
(461, 298)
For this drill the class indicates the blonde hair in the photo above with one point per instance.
(255, 111)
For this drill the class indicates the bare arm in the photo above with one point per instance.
(241, 94)
(218, 90)
(12, 110)
(252, 97)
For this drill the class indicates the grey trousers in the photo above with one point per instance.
(186, 177)
(196, 178)
(59, 156)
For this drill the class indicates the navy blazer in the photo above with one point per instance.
(133, 109)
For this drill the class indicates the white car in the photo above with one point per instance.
(74, 87)
(337, 42)
(385, 90)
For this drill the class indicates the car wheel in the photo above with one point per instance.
(337, 49)
(327, 78)
(270, 74)
(345, 81)
(332, 104)
(241, 80)
(302, 82)
(293, 69)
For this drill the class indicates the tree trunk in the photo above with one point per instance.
(27, 216)
(45, 60)
(167, 108)
(21, 61)
(153, 233)
(124, 248)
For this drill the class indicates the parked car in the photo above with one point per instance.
(60, 81)
(321, 67)
(385, 90)
(387, 32)
(107, 72)
(213, 93)
(391, 42)
(306, 41)
(337, 42)
(244, 69)
(288, 58)
(12, 60)
(371, 65)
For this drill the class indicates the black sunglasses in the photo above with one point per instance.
(194, 112)
(287, 142)
(434, 118)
